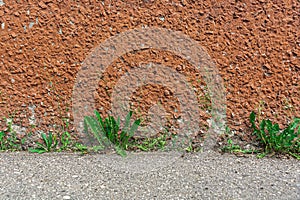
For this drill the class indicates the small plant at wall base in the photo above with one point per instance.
(150, 144)
(2, 141)
(65, 141)
(50, 143)
(274, 140)
(234, 148)
(108, 131)
(9, 139)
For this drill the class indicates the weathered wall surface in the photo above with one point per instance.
(254, 44)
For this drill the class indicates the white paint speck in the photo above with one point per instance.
(162, 18)
(31, 24)
(2, 3)
(3, 25)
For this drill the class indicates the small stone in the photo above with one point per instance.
(13, 35)
(17, 14)
(167, 92)
(42, 5)
(66, 197)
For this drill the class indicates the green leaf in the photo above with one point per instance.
(295, 123)
(261, 155)
(97, 148)
(120, 151)
(37, 150)
(2, 134)
(127, 122)
(134, 127)
(98, 115)
(41, 145)
(55, 142)
(44, 137)
(118, 122)
(297, 156)
(252, 120)
(95, 128)
(143, 148)
(101, 123)
(50, 141)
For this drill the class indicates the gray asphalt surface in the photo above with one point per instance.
(207, 175)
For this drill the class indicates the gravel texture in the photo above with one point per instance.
(207, 175)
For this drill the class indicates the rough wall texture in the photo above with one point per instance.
(255, 45)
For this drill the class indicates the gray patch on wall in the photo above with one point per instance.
(32, 119)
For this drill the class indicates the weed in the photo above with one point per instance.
(2, 141)
(9, 139)
(274, 140)
(189, 149)
(108, 131)
(233, 148)
(83, 149)
(150, 144)
(80, 147)
(205, 99)
(50, 144)
(65, 140)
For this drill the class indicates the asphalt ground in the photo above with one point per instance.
(206, 175)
